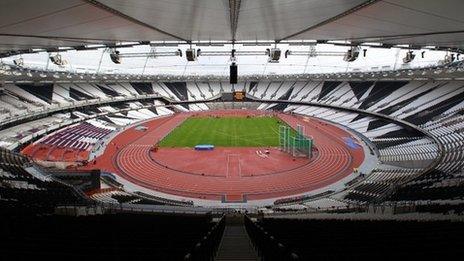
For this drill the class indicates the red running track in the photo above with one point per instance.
(128, 155)
(221, 161)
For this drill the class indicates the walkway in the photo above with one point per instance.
(235, 243)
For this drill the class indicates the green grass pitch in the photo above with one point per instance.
(225, 132)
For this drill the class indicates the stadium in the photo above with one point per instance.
(232, 129)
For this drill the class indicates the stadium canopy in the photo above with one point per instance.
(45, 24)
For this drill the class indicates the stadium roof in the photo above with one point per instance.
(26, 24)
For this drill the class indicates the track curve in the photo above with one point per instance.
(128, 155)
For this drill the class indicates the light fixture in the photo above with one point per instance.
(352, 54)
(312, 52)
(191, 54)
(114, 56)
(274, 54)
(449, 58)
(19, 62)
(409, 57)
(58, 60)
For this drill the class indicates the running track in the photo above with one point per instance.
(128, 155)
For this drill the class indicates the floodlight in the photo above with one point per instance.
(115, 58)
(58, 60)
(191, 55)
(352, 54)
(274, 55)
(409, 57)
(19, 62)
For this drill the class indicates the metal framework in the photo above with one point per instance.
(297, 145)
(151, 54)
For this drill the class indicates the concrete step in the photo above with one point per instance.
(235, 243)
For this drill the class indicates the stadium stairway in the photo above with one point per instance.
(235, 243)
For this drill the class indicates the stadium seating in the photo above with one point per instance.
(232, 130)
(70, 144)
(115, 236)
(298, 239)
(22, 192)
(396, 146)
(433, 106)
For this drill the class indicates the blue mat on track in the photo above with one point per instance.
(351, 143)
(204, 147)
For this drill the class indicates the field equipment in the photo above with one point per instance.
(298, 145)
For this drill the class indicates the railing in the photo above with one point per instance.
(267, 246)
(100, 207)
(207, 247)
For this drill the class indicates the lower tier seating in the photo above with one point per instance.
(22, 192)
(114, 236)
(314, 239)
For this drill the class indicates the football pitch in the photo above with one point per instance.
(225, 132)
